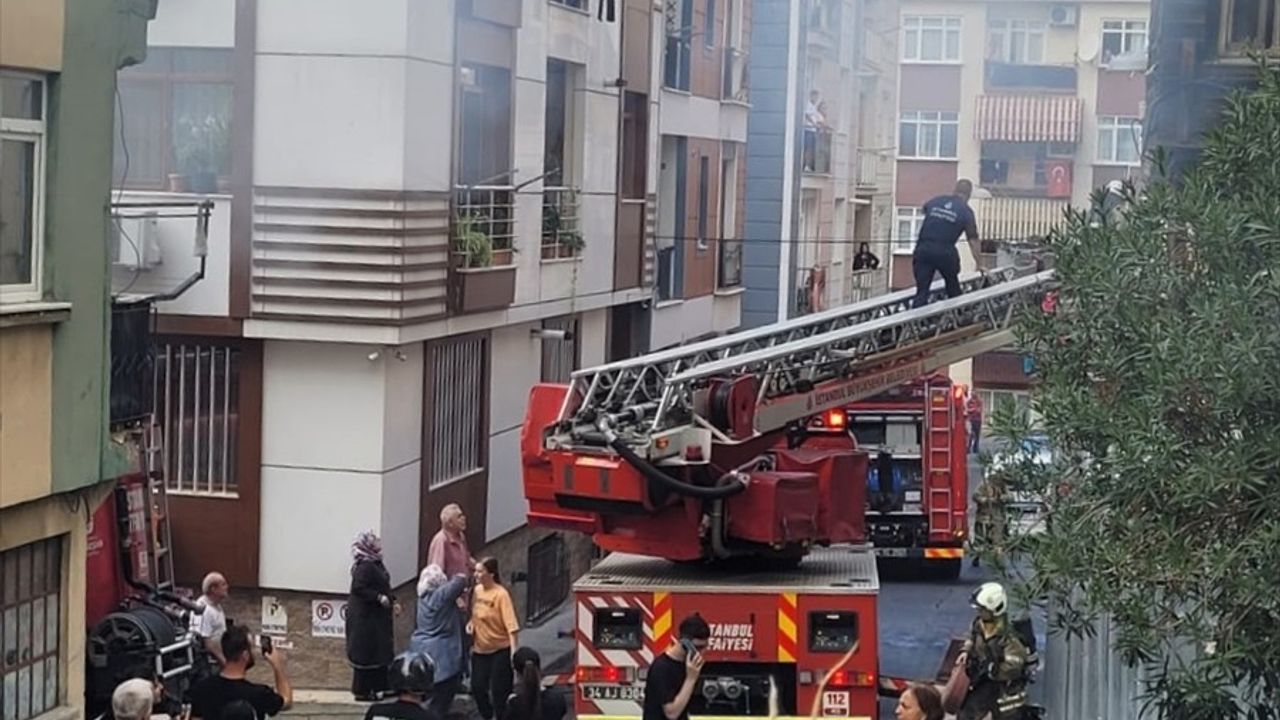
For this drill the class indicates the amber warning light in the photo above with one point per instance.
(835, 419)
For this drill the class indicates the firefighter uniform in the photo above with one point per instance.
(989, 521)
(997, 669)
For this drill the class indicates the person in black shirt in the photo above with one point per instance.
(411, 677)
(673, 676)
(211, 695)
(865, 259)
(946, 217)
(531, 701)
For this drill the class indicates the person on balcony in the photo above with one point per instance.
(813, 122)
(865, 259)
(946, 217)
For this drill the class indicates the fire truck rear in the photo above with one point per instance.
(785, 626)
(918, 476)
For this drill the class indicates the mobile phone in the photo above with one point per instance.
(265, 642)
(689, 649)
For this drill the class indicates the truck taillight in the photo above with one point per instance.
(605, 674)
(851, 678)
(835, 419)
(693, 453)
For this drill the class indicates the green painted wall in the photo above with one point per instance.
(99, 37)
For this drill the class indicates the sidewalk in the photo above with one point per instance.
(557, 658)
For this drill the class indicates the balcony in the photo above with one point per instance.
(734, 85)
(1012, 218)
(873, 170)
(1017, 76)
(817, 151)
(165, 244)
(827, 285)
(561, 223)
(482, 276)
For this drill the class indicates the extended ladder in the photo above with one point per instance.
(652, 393)
(940, 419)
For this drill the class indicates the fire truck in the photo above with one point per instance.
(918, 472)
(709, 472)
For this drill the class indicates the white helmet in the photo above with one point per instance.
(990, 597)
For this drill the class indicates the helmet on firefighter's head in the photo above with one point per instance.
(412, 672)
(991, 598)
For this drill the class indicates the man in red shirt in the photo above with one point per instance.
(973, 409)
(449, 550)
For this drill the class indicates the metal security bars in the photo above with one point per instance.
(197, 400)
(30, 628)
(456, 373)
(548, 577)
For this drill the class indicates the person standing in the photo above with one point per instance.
(132, 700)
(946, 218)
(973, 409)
(995, 660)
(211, 695)
(865, 259)
(673, 675)
(494, 630)
(438, 633)
(531, 701)
(448, 549)
(919, 702)
(369, 619)
(411, 677)
(211, 622)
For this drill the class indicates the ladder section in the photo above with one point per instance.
(143, 504)
(636, 381)
(800, 377)
(941, 419)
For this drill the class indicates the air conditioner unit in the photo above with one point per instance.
(1064, 15)
(136, 241)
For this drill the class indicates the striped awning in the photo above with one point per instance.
(1029, 118)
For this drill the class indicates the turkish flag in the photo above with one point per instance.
(1057, 174)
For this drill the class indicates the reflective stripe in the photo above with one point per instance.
(787, 627)
(943, 553)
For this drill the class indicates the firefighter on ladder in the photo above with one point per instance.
(995, 660)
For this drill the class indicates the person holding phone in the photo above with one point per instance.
(673, 676)
(211, 695)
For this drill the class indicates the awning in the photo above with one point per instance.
(1029, 118)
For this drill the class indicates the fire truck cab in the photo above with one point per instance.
(788, 626)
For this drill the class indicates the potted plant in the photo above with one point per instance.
(483, 277)
(472, 245)
(201, 151)
(567, 240)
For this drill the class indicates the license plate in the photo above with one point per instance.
(891, 552)
(912, 496)
(613, 692)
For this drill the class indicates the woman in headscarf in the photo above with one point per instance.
(439, 632)
(369, 610)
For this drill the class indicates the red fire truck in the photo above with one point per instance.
(918, 473)
(714, 455)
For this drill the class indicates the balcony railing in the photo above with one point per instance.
(483, 225)
(870, 166)
(1017, 76)
(735, 75)
(817, 151)
(729, 264)
(828, 284)
(561, 223)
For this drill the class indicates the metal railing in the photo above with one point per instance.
(817, 151)
(483, 220)
(561, 223)
(197, 391)
(548, 564)
(871, 164)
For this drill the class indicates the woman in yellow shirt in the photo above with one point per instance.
(493, 628)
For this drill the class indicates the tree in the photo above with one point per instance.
(1159, 387)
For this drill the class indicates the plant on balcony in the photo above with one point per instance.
(201, 150)
(472, 245)
(561, 238)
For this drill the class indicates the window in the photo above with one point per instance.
(198, 398)
(704, 201)
(729, 248)
(575, 4)
(31, 625)
(679, 29)
(22, 153)
(561, 218)
(1002, 401)
(1123, 37)
(928, 134)
(907, 228)
(1249, 24)
(560, 357)
(1119, 140)
(457, 373)
(930, 39)
(485, 154)
(709, 26)
(1016, 41)
(635, 145)
(173, 121)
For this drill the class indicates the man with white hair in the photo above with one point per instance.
(211, 623)
(132, 700)
(449, 546)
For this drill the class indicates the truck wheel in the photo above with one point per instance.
(950, 569)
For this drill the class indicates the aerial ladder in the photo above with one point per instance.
(699, 452)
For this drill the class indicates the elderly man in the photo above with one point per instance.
(211, 623)
(133, 700)
(449, 546)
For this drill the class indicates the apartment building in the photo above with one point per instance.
(820, 171)
(64, 415)
(1037, 102)
(420, 211)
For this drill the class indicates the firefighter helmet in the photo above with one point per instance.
(412, 672)
(990, 597)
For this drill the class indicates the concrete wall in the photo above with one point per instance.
(26, 428)
(31, 33)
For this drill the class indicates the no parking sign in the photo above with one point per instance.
(328, 618)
